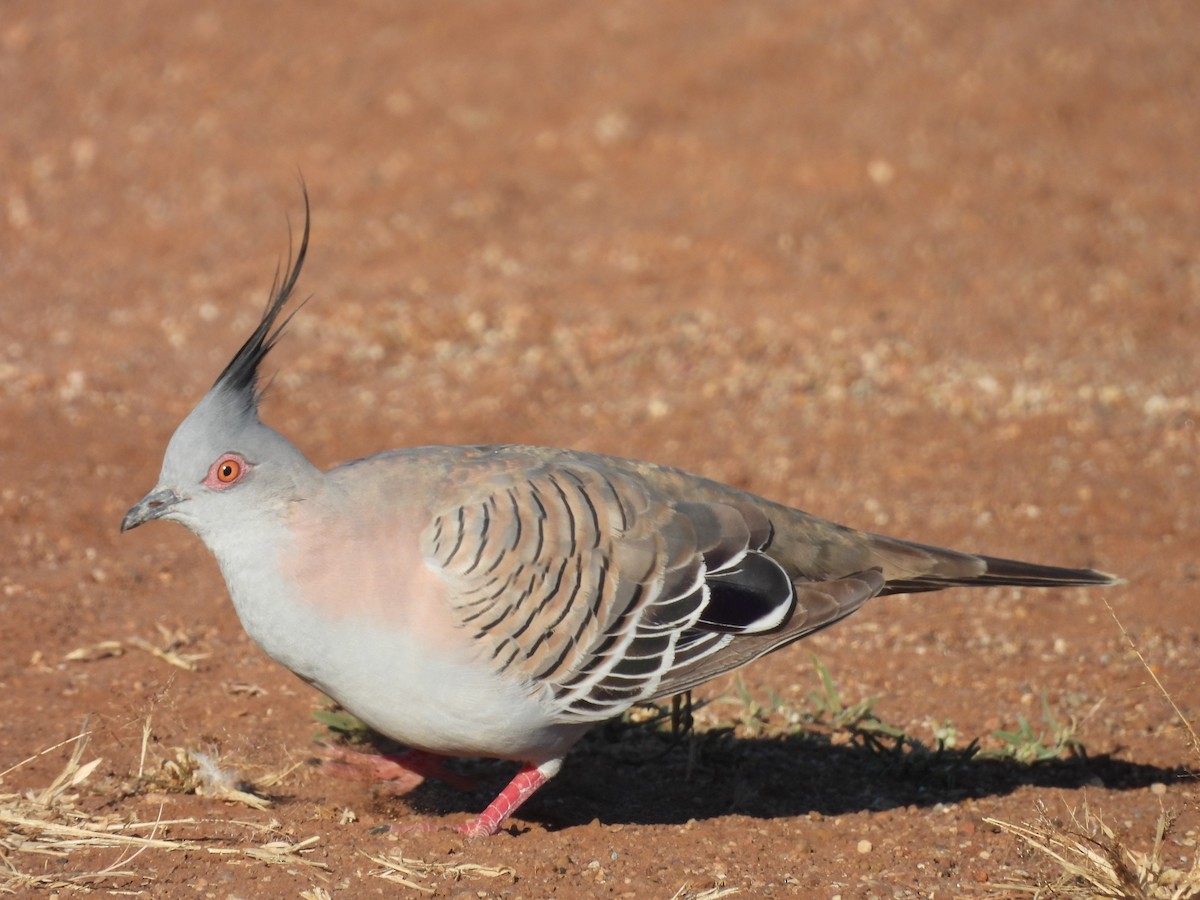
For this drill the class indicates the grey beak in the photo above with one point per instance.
(154, 505)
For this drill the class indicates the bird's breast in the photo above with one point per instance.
(367, 569)
(350, 605)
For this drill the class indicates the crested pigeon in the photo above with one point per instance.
(497, 601)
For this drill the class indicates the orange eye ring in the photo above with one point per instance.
(228, 470)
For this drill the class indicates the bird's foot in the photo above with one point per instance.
(400, 772)
(520, 789)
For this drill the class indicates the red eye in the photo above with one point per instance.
(226, 471)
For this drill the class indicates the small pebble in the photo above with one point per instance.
(864, 846)
(1158, 789)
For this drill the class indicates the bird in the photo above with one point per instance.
(498, 601)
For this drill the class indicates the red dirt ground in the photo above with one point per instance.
(929, 269)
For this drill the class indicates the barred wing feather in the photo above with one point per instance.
(591, 582)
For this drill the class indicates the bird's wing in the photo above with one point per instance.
(588, 580)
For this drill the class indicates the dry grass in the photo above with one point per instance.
(51, 823)
(169, 650)
(286, 853)
(411, 872)
(1093, 860)
(686, 892)
(200, 772)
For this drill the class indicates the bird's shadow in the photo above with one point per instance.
(632, 775)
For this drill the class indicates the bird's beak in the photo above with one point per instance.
(154, 505)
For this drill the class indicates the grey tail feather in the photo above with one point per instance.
(1001, 572)
(241, 375)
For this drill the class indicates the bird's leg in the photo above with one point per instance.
(681, 714)
(520, 789)
(402, 771)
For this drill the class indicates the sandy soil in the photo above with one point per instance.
(929, 269)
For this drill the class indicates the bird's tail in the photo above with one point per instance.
(993, 571)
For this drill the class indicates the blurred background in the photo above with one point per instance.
(929, 269)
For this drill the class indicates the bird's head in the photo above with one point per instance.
(224, 466)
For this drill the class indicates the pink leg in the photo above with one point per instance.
(402, 771)
(520, 789)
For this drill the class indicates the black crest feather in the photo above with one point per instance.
(240, 377)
